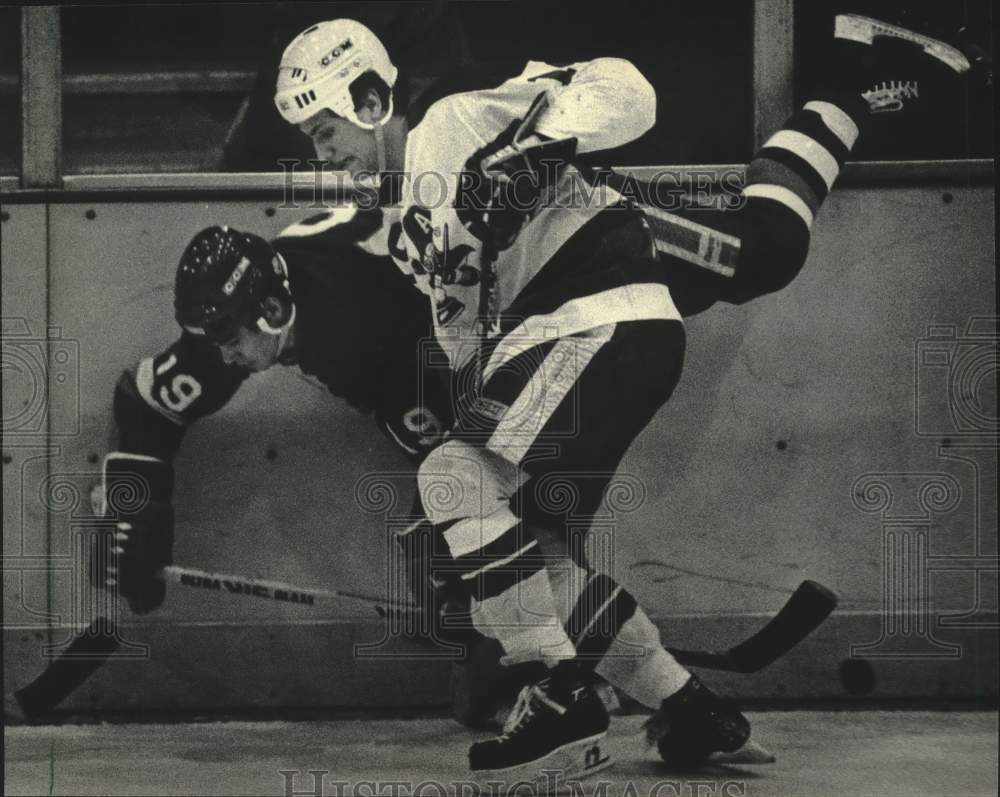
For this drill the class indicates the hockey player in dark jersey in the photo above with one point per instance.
(565, 337)
(323, 297)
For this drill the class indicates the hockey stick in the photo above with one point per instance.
(809, 606)
(805, 610)
(98, 642)
(273, 590)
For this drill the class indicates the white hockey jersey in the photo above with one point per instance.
(604, 103)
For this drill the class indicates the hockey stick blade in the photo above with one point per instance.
(809, 606)
(85, 654)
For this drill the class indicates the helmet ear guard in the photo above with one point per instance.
(281, 270)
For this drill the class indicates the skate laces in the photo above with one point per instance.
(524, 709)
(889, 95)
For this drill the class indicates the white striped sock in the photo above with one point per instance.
(778, 193)
(810, 150)
(840, 124)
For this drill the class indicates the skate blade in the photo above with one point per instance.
(855, 27)
(749, 753)
(572, 761)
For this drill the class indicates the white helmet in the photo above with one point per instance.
(320, 64)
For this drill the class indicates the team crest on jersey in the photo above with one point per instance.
(445, 265)
(442, 266)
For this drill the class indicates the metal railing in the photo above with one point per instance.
(43, 85)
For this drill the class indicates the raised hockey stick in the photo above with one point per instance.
(809, 606)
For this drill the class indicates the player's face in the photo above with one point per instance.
(250, 348)
(343, 144)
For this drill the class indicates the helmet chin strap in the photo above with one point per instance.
(281, 333)
(379, 134)
(378, 131)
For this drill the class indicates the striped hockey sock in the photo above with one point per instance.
(613, 635)
(798, 165)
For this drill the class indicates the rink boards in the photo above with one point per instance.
(840, 430)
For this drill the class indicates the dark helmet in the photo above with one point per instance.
(222, 281)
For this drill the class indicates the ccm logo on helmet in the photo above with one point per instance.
(235, 277)
(336, 52)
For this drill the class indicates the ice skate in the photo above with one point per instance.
(695, 727)
(896, 68)
(555, 730)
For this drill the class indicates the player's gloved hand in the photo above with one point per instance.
(136, 494)
(505, 182)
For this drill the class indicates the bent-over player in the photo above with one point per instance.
(323, 297)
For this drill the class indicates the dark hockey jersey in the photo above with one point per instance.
(361, 328)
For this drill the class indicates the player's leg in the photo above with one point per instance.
(542, 428)
(618, 395)
(737, 255)
(617, 639)
(625, 381)
(610, 631)
(466, 492)
(614, 637)
(466, 486)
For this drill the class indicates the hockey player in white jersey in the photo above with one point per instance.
(565, 339)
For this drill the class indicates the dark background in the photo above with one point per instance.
(697, 54)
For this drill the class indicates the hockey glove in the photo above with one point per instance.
(504, 183)
(137, 492)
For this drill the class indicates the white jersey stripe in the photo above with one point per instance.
(524, 420)
(645, 301)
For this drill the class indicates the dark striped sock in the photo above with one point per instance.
(799, 164)
(601, 610)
